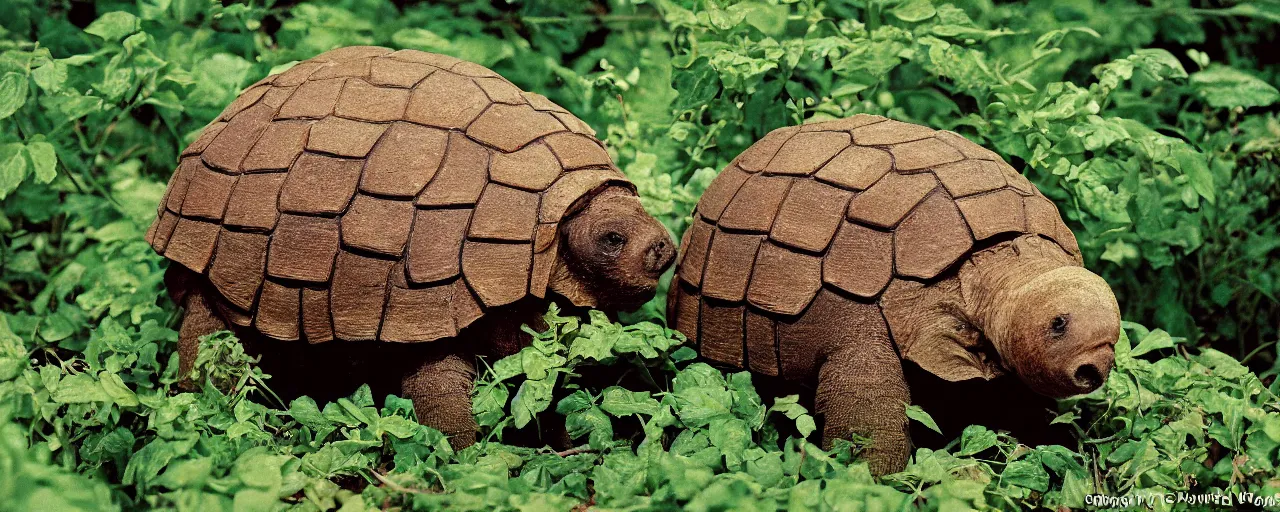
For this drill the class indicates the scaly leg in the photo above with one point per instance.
(861, 391)
(198, 320)
(440, 388)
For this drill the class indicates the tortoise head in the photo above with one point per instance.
(612, 252)
(1024, 306)
(1057, 330)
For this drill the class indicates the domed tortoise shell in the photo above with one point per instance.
(376, 194)
(849, 205)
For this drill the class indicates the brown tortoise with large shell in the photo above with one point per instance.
(833, 250)
(374, 196)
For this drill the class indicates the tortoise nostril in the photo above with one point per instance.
(1088, 377)
(659, 256)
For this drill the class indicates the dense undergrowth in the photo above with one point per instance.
(1153, 126)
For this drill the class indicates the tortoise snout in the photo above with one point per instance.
(659, 256)
(1090, 372)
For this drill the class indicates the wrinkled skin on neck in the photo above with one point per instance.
(1023, 306)
(612, 253)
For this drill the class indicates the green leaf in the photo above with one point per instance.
(620, 402)
(1195, 167)
(1226, 87)
(1155, 340)
(13, 93)
(913, 11)
(697, 85)
(916, 413)
(533, 397)
(975, 439)
(186, 473)
(115, 388)
(80, 389)
(1026, 472)
(114, 26)
(44, 160)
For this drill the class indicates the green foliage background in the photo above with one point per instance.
(1153, 125)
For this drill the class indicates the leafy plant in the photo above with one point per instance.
(1152, 125)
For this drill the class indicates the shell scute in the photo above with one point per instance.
(755, 204)
(192, 242)
(843, 124)
(278, 311)
(784, 281)
(888, 201)
(436, 244)
(969, 177)
(317, 325)
(446, 100)
(994, 213)
(461, 177)
(695, 251)
(728, 261)
(856, 168)
(360, 286)
(404, 160)
(344, 137)
(377, 225)
(923, 154)
(397, 73)
(239, 266)
(756, 157)
(207, 194)
(723, 323)
(511, 127)
(363, 101)
(278, 147)
(302, 248)
(319, 184)
(253, 202)
(889, 132)
(932, 239)
(576, 152)
(229, 149)
(721, 190)
(809, 215)
(860, 260)
(805, 152)
(504, 213)
(313, 99)
(498, 272)
(500, 91)
(532, 168)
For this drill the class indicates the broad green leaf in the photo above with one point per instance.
(1026, 472)
(914, 10)
(13, 93)
(533, 397)
(975, 439)
(114, 26)
(1157, 339)
(697, 85)
(1226, 87)
(44, 161)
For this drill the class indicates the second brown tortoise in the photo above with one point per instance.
(833, 251)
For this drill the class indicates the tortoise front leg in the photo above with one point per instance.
(861, 391)
(198, 319)
(440, 388)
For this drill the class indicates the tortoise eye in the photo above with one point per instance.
(613, 240)
(1058, 326)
